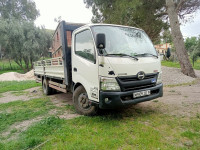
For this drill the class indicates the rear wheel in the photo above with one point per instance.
(81, 102)
(46, 89)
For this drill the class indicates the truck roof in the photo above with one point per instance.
(80, 25)
(71, 24)
(104, 24)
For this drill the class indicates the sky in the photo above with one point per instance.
(192, 28)
(75, 11)
(69, 10)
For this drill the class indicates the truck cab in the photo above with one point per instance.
(114, 66)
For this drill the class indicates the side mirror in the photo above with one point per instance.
(168, 53)
(100, 41)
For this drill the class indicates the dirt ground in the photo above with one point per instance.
(182, 101)
(14, 76)
(59, 99)
(179, 100)
(24, 95)
(173, 76)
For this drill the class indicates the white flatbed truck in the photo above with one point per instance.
(105, 66)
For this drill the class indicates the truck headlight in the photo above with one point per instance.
(109, 84)
(159, 79)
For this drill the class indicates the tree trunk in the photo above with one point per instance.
(31, 60)
(186, 67)
(21, 66)
(10, 63)
(26, 61)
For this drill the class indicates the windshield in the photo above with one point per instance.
(124, 40)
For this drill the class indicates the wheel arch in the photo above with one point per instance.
(77, 85)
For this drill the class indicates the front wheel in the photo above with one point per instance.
(81, 102)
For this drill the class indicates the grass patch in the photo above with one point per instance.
(155, 101)
(115, 130)
(5, 67)
(35, 134)
(70, 107)
(20, 111)
(190, 134)
(18, 93)
(128, 129)
(5, 71)
(172, 91)
(1, 95)
(148, 131)
(170, 64)
(183, 84)
(17, 86)
(177, 65)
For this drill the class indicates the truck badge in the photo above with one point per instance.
(140, 75)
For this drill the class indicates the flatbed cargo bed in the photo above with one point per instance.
(50, 68)
(58, 68)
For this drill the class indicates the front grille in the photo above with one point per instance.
(139, 87)
(134, 78)
(128, 83)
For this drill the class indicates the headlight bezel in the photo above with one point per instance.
(109, 84)
(159, 78)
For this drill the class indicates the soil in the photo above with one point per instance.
(173, 76)
(182, 101)
(14, 76)
(61, 99)
(25, 96)
(64, 114)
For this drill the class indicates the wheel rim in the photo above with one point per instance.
(83, 101)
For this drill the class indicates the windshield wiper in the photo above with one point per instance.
(121, 55)
(146, 54)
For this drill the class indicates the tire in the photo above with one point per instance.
(46, 89)
(81, 102)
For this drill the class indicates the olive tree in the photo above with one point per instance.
(21, 10)
(24, 42)
(196, 50)
(18, 9)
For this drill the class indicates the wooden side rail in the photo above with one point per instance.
(50, 62)
(58, 86)
(38, 80)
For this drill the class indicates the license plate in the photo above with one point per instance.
(141, 94)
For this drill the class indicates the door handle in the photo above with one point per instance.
(75, 69)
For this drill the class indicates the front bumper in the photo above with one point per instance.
(120, 99)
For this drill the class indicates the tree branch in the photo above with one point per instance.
(180, 4)
(162, 14)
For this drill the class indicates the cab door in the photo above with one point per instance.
(85, 63)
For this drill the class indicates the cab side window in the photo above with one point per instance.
(84, 46)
